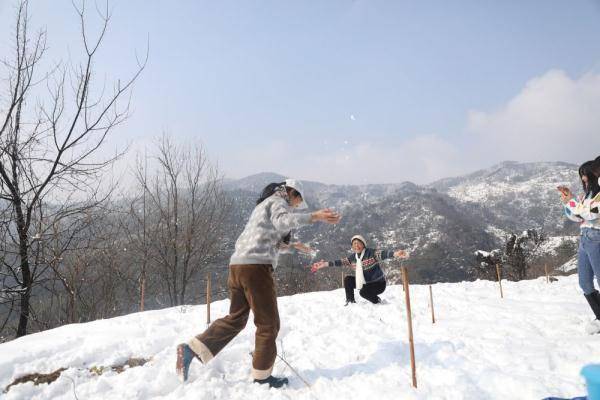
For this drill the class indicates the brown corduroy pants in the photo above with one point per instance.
(251, 287)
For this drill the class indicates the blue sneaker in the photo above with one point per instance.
(273, 381)
(185, 355)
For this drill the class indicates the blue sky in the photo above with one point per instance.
(352, 91)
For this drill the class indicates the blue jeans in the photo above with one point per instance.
(588, 262)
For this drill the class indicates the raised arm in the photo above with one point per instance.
(588, 208)
(283, 220)
(577, 212)
(302, 248)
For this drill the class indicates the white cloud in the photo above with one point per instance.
(276, 156)
(421, 160)
(553, 118)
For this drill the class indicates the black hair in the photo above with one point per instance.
(587, 169)
(294, 192)
(269, 190)
(596, 167)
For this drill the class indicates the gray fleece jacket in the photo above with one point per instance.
(269, 222)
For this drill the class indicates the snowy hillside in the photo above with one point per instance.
(529, 345)
(516, 193)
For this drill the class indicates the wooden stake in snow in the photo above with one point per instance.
(499, 280)
(207, 298)
(546, 270)
(402, 276)
(410, 330)
(431, 302)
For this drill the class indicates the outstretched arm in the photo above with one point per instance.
(386, 254)
(336, 263)
(302, 247)
(284, 221)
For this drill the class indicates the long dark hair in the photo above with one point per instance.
(269, 190)
(596, 167)
(587, 169)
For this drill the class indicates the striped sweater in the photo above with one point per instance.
(370, 262)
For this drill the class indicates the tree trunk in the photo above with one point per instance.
(72, 315)
(24, 315)
(27, 280)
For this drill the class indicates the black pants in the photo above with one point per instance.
(369, 290)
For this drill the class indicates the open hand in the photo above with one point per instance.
(303, 248)
(401, 254)
(565, 194)
(318, 265)
(326, 215)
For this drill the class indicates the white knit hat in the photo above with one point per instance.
(359, 237)
(297, 186)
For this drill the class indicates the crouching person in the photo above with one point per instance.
(251, 285)
(369, 279)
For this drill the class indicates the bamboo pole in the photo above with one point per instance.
(402, 276)
(143, 293)
(208, 293)
(431, 302)
(499, 280)
(546, 270)
(410, 330)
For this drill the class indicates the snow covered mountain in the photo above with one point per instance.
(441, 223)
(517, 194)
(529, 345)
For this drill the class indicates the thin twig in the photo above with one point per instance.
(282, 352)
(294, 371)
(73, 382)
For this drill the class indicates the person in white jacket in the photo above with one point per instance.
(585, 212)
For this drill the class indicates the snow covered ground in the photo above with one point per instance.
(529, 345)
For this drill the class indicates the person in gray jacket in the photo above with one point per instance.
(251, 285)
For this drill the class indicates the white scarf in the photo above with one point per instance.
(360, 277)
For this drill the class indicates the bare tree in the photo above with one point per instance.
(83, 254)
(520, 250)
(516, 257)
(486, 263)
(50, 147)
(179, 220)
(136, 226)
